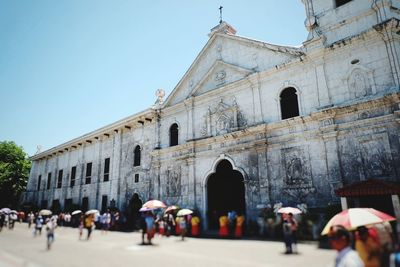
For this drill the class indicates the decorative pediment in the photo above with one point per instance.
(220, 74)
(223, 118)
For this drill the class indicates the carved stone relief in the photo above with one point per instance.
(376, 159)
(220, 77)
(223, 118)
(296, 170)
(359, 84)
(174, 182)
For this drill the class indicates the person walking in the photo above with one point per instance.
(182, 226)
(195, 222)
(339, 239)
(294, 226)
(50, 227)
(89, 223)
(149, 226)
(38, 225)
(287, 235)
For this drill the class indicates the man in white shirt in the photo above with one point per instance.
(339, 238)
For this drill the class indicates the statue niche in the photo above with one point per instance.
(359, 84)
(222, 119)
(174, 182)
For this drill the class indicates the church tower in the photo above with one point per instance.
(334, 20)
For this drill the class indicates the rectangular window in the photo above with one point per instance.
(73, 175)
(88, 173)
(43, 205)
(104, 200)
(48, 180)
(106, 169)
(341, 2)
(85, 204)
(59, 180)
(39, 181)
(68, 204)
(137, 178)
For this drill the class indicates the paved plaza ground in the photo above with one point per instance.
(18, 248)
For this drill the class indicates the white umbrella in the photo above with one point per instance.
(288, 210)
(45, 212)
(91, 212)
(5, 210)
(76, 212)
(184, 212)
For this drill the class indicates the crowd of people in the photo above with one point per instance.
(369, 246)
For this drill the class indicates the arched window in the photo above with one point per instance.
(173, 135)
(136, 158)
(289, 103)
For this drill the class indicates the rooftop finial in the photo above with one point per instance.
(220, 14)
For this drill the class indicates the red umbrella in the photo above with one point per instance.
(355, 217)
(154, 204)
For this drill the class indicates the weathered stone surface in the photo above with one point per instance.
(227, 107)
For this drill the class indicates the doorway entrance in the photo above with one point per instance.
(225, 192)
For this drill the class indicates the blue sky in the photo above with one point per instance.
(69, 67)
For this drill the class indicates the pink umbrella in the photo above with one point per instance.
(355, 217)
(171, 208)
(143, 209)
(154, 204)
(288, 210)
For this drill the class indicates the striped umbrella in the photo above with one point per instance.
(355, 217)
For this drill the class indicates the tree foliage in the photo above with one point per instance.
(14, 173)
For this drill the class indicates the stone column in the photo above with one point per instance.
(82, 168)
(100, 164)
(189, 121)
(396, 208)
(324, 97)
(265, 196)
(343, 202)
(192, 194)
(257, 105)
(116, 167)
(329, 136)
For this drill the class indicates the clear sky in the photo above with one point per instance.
(69, 67)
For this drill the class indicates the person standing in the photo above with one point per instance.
(239, 226)
(223, 226)
(30, 219)
(339, 239)
(195, 222)
(50, 227)
(368, 248)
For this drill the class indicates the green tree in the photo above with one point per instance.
(14, 173)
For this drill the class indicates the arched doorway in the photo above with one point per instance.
(133, 211)
(225, 192)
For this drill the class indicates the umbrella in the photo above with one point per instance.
(45, 212)
(355, 217)
(76, 212)
(91, 212)
(288, 210)
(143, 209)
(171, 208)
(154, 204)
(184, 212)
(5, 210)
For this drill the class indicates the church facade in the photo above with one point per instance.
(250, 124)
